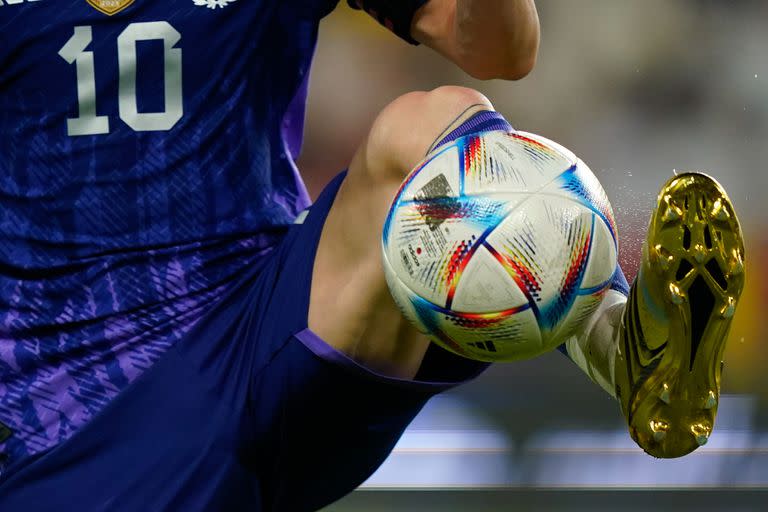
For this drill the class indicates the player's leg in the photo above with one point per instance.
(349, 374)
(351, 307)
(662, 352)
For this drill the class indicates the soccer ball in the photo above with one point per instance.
(499, 245)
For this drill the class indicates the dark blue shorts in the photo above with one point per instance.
(249, 411)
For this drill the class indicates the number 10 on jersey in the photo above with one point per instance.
(87, 122)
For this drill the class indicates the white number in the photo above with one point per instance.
(87, 122)
(126, 56)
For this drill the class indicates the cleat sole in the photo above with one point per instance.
(698, 268)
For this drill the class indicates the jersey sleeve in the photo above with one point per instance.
(395, 15)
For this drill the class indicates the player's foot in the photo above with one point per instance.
(677, 318)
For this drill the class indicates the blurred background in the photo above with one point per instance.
(638, 89)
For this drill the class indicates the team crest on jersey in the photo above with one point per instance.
(213, 4)
(110, 7)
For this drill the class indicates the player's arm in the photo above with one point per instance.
(485, 38)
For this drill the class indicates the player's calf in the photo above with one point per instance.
(351, 307)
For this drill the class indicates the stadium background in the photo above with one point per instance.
(637, 88)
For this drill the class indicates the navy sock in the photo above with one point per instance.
(483, 121)
(619, 284)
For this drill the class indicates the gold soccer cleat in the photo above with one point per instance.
(677, 318)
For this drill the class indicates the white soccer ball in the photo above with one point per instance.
(500, 245)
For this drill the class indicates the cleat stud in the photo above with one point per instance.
(729, 309)
(659, 429)
(718, 212)
(675, 294)
(701, 433)
(665, 258)
(711, 400)
(671, 214)
(664, 395)
(699, 253)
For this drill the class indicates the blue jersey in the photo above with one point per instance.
(146, 160)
